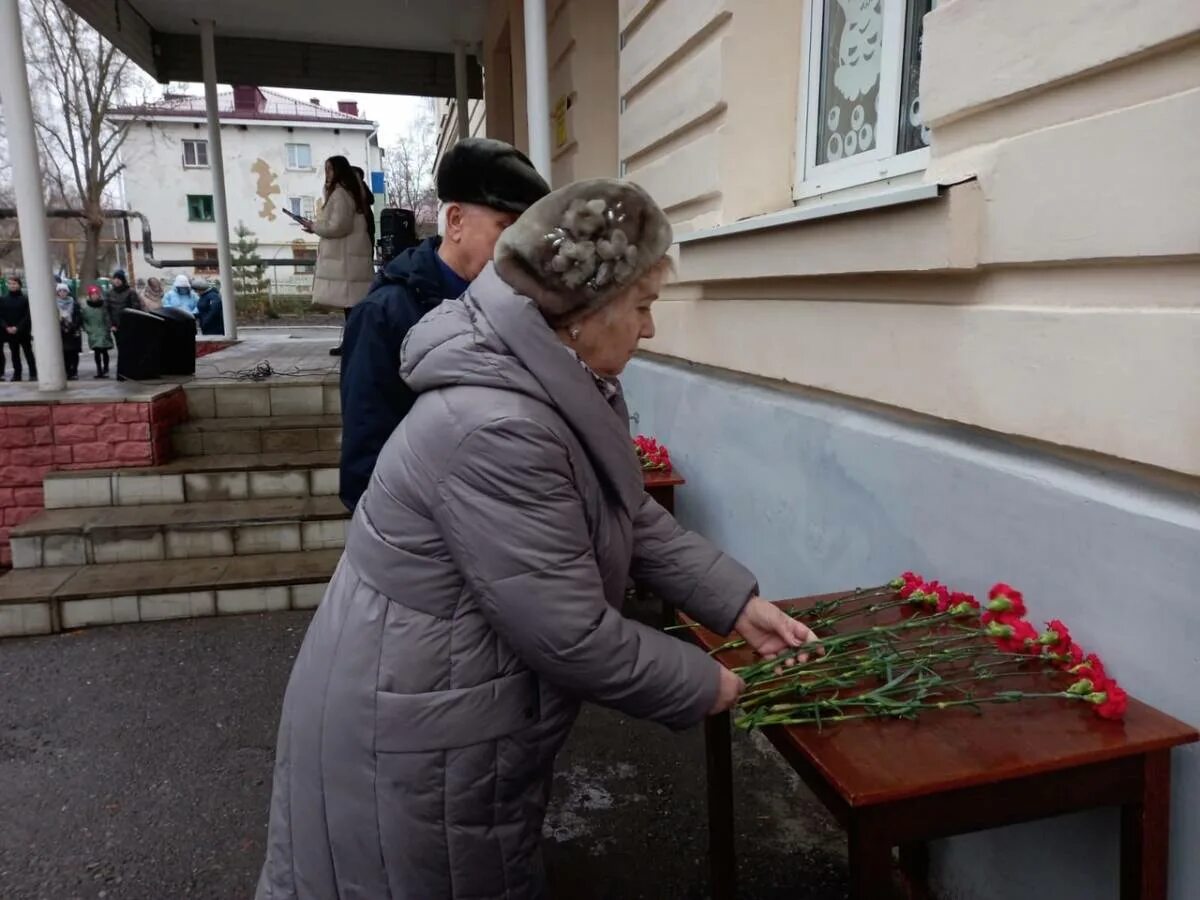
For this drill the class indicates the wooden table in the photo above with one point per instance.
(661, 486)
(892, 783)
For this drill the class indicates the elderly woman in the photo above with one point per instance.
(478, 602)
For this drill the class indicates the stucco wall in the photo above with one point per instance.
(257, 182)
(582, 38)
(816, 495)
(1049, 293)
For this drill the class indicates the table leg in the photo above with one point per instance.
(870, 859)
(718, 749)
(914, 867)
(1145, 832)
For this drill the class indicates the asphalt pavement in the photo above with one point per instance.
(135, 764)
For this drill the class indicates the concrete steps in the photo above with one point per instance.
(258, 434)
(251, 476)
(104, 534)
(46, 600)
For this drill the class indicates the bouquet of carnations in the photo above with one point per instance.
(652, 455)
(938, 649)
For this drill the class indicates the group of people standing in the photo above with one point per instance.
(98, 318)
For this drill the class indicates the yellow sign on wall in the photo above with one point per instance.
(559, 117)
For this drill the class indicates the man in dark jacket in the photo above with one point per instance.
(483, 185)
(16, 328)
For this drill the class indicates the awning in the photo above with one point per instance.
(370, 46)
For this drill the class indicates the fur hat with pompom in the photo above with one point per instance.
(582, 245)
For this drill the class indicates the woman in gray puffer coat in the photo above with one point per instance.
(478, 602)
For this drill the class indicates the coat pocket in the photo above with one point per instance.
(444, 720)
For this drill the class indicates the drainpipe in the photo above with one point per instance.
(537, 86)
(460, 90)
(31, 209)
(216, 162)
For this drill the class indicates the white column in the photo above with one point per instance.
(208, 60)
(460, 91)
(31, 208)
(537, 86)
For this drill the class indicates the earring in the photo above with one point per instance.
(574, 333)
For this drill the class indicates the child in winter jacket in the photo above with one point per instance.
(98, 325)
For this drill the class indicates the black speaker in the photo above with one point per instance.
(397, 232)
(139, 345)
(178, 341)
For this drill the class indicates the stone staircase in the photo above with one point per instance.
(245, 519)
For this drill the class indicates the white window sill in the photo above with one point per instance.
(818, 208)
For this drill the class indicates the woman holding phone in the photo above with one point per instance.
(344, 258)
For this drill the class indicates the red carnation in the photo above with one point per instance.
(1056, 636)
(1002, 598)
(1069, 657)
(910, 588)
(1016, 636)
(963, 604)
(1091, 668)
(938, 595)
(1114, 703)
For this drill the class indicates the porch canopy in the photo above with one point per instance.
(372, 46)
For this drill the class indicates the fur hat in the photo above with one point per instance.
(577, 248)
(200, 284)
(489, 173)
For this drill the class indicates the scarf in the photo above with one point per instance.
(65, 307)
(608, 386)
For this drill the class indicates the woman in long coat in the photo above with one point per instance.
(345, 268)
(478, 601)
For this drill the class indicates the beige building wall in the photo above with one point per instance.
(582, 51)
(1051, 290)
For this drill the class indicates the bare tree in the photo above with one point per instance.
(78, 80)
(408, 171)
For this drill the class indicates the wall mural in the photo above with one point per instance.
(851, 54)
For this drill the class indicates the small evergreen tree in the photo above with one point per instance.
(249, 272)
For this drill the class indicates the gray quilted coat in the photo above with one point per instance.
(478, 603)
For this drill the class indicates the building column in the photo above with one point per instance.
(537, 86)
(31, 207)
(461, 108)
(216, 162)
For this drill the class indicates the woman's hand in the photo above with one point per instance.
(769, 630)
(729, 689)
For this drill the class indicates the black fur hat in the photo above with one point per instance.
(577, 248)
(489, 173)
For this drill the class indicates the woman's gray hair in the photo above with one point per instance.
(577, 248)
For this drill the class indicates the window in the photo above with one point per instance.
(302, 206)
(195, 154)
(861, 110)
(302, 252)
(204, 259)
(200, 207)
(299, 156)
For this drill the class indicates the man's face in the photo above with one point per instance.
(13, 286)
(474, 230)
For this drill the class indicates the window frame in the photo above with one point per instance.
(195, 144)
(308, 252)
(201, 255)
(813, 180)
(201, 198)
(307, 205)
(287, 150)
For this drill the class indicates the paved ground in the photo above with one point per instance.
(135, 764)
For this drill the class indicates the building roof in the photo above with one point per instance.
(240, 103)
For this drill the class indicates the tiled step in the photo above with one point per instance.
(85, 535)
(250, 476)
(41, 601)
(307, 395)
(258, 434)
